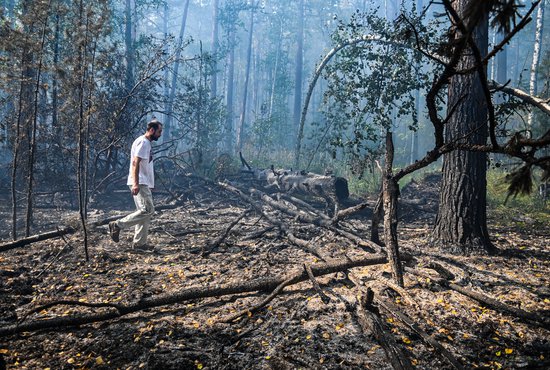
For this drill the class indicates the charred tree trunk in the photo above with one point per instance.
(390, 194)
(34, 127)
(461, 223)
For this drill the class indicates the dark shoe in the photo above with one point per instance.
(114, 231)
(143, 248)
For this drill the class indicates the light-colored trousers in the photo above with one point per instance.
(141, 218)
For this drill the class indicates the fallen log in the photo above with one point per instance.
(216, 290)
(304, 244)
(36, 238)
(68, 230)
(318, 221)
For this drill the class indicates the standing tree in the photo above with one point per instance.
(461, 223)
(174, 84)
(360, 88)
(299, 66)
(241, 126)
(536, 58)
(215, 47)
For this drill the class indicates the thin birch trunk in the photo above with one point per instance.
(536, 59)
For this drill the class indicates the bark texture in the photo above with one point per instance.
(461, 223)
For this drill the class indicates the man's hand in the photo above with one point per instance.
(135, 189)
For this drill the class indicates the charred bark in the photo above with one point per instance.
(461, 223)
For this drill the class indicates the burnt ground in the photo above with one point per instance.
(296, 329)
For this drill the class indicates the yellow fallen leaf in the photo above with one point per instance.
(4, 351)
(99, 361)
(267, 357)
(498, 353)
(71, 360)
(326, 335)
(199, 366)
(508, 351)
(406, 340)
(308, 337)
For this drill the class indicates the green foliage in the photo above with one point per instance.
(371, 85)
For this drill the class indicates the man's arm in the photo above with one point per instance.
(135, 170)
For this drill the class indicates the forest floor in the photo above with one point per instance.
(294, 330)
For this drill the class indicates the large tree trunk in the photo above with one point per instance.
(461, 223)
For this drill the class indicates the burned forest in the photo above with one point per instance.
(291, 184)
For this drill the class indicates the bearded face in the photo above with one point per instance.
(156, 134)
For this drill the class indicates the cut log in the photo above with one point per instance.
(332, 189)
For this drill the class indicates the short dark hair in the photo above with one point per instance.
(154, 124)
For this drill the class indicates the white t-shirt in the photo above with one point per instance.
(142, 148)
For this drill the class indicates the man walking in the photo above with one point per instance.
(141, 179)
